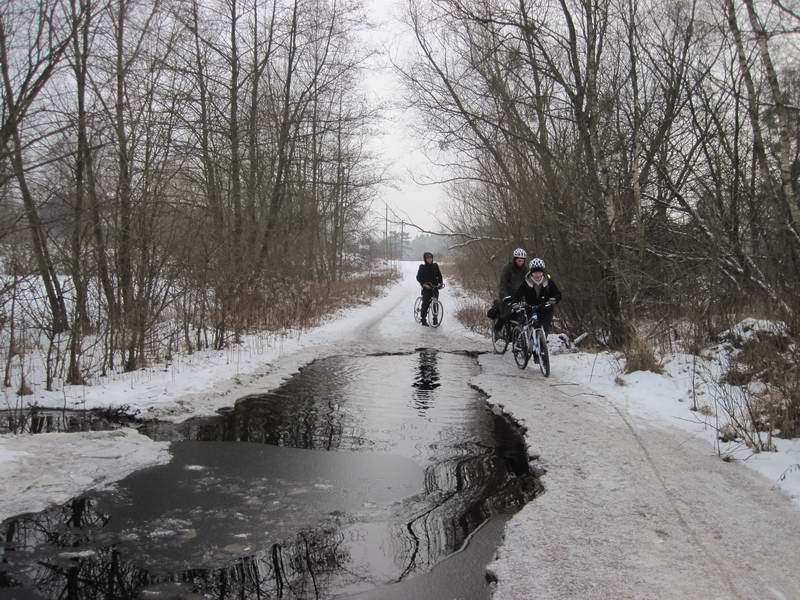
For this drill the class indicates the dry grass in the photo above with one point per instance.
(743, 417)
(771, 359)
(472, 314)
(706, 410)
(203, 319)
(286, 304)
(640, 355)
(471, 310)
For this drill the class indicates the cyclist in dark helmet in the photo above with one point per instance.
(430, 278)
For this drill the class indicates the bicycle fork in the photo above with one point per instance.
(533, 341)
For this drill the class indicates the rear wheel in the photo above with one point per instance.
(499, 341)
(519, 347)
(544, 353)
(436, 313)
(418, 309)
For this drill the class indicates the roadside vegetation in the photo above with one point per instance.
(648, 152)
(175, 175)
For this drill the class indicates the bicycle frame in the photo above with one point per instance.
(435, 309)
(530, 327)
(534, 337)
(520, 317)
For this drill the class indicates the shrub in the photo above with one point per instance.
(768, 358)
(472, 314)
(784, 407)
(641, 356)
(744, 416)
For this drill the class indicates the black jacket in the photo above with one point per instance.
(527, 291)
(429, 273)
(510, 279)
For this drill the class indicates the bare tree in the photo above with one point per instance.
(33, 40)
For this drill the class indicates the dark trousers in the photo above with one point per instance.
(503, 315)
(427, 294)
(546, 319)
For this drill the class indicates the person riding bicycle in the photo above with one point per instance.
(511, 278)
(430, 278)
(540, 291)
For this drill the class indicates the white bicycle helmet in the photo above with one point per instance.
(537, 264)
(519, 253)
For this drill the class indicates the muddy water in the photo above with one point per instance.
(359, 476)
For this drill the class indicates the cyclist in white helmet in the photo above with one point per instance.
(540, 291)
(511, 278)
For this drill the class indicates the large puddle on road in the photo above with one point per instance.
(356, 474)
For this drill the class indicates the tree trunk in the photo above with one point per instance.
(785, 129)
(80, 50)
(124, 192)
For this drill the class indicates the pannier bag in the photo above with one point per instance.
(493, 313)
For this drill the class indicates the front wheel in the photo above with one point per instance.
(519, 347)
(499, 342)
(544, 353)
(436, 313)
(418, 309)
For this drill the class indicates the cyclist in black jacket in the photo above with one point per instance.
(510, 279)
(539, 290)
(430, 278)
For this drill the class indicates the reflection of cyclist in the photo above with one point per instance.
(541, 291)
(430, 278)
(510, 279)
(426, 381)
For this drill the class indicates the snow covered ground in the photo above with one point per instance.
(191, 386)
(37, 471)
(202, 382)
(637, 501)
(664, 401)
(633, 507)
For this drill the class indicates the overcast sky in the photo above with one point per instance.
(399, 147)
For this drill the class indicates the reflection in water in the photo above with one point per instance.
(35, 419)
(301, 568)
(467, 491)
(445, 462)
(426, 381)
(306, 412)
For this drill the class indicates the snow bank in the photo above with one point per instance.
(665, 401)
(750, 329)
(632, 508)
(200, 383)
(50, 468)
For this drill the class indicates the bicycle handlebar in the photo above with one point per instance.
(522, 304)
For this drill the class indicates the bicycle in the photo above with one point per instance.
(529, 339)
(435, 309)
(501, 341)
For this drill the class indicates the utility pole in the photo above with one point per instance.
(386, 234)
(402, 238)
